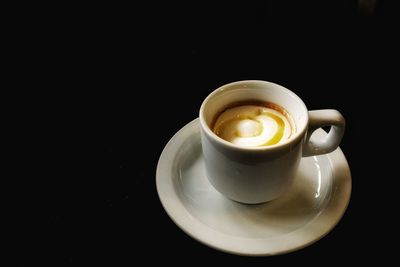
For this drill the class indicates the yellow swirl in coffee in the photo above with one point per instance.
(252, 126)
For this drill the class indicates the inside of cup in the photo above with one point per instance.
(255, 90)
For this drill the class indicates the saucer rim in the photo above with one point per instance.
(208, 236)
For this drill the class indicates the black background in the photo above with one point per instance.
(116, 83)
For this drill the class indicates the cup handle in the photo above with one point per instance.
(318, 119)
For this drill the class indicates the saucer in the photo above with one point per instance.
(304, 214)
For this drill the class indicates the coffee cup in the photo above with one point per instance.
(254, 134)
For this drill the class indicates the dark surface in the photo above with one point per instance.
(123, 81)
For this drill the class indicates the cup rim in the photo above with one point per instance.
(297, 136)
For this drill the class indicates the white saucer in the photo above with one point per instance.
(303, 215)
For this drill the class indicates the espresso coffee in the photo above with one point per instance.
(254, 124)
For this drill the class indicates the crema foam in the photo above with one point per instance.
(254, 125)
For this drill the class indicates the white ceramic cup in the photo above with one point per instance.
(260, 174)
